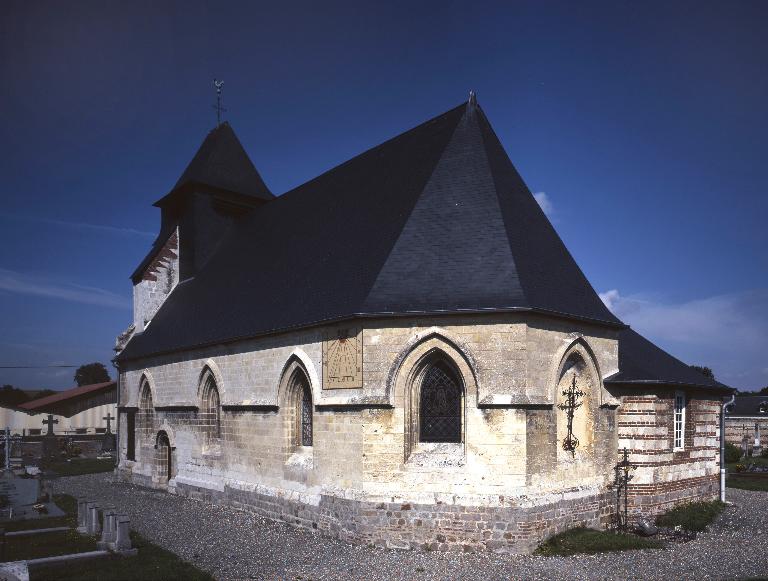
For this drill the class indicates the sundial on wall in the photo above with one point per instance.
(343, 358)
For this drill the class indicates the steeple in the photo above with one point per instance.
(221, 164)
(219, 184)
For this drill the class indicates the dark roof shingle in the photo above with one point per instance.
(222, 163)
(434, 220)
(749, 405)
(642, 362)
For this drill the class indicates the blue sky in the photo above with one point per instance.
(640, 126)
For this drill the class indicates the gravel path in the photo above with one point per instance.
(232, 544)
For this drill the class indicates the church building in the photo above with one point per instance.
(399, 352)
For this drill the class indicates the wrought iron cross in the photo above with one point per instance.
(49, 422)
(621, 480)
(109, 419)
(219, 109)
(8, 440)
(572, 402)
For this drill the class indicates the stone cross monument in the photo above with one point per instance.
(108, 442)
(50, 444)
(50, 421)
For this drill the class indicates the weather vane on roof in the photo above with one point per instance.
(217, 106)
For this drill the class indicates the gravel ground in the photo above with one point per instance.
(232, 544)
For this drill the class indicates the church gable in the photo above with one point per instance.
(156, 282)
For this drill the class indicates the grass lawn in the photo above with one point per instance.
(48, 545)
(692, 516)
(747, 480)
(151, 562)
(584, 540)
(78, 466)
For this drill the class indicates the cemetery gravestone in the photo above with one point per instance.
(50, 443)
(108, 442)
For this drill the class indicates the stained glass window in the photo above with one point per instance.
(211, 410)
(305, 415)
(163, 456)
(440, 405)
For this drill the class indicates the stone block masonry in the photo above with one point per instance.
(504, 484)
(506, 527)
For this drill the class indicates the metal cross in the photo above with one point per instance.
(621, 480)
(50, 421)
(8, 440)
(217, 106)
(572, 395)
(109, 419)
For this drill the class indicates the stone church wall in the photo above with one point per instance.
(367, 478)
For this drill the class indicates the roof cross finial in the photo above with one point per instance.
(472, 98)
(217, 106)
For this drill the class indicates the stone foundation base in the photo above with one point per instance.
(442, 527)
(653, 499)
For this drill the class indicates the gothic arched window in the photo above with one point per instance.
(210, 409)
(146, 409)
(304, 413)
(440, 405)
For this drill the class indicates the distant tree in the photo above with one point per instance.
(704, 370)
(12, 396)
(91, 373)
(763, 391)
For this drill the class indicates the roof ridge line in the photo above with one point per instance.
(373, 147)
(416, 198)
(478, 112)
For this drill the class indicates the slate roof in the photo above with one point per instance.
(222, 163)
(749, 405)
(44, 404)
(642, 362)
(435, 220)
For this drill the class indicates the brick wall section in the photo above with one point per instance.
(736, 429)
(666, 477)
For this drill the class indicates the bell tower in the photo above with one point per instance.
(218, 186)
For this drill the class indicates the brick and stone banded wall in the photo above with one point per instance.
(653, 499)
(666, 477)
(737, 428)
(440, 527)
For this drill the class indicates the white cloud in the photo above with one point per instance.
(26, 284)
(84, 226)
(728, 333)
(610, 298)
(545, 203)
